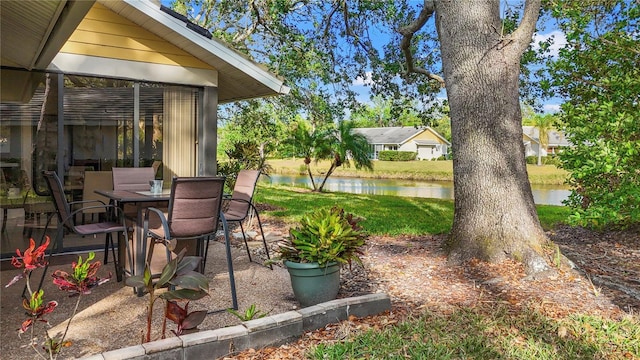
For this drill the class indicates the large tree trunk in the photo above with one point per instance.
(495, 216)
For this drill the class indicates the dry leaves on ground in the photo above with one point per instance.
(415, 273)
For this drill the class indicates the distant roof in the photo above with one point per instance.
(389, 135)
(556, 138)
(395, 135)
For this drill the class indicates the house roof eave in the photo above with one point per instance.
(239, 77)
(33, 32)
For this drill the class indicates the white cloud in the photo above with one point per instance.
(551, 108)
(559, 41)
(359, 81)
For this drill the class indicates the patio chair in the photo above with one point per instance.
(34, 208)
(95, 180)
(192, 219)
(133, 179)
(67, 223)
(241, 203)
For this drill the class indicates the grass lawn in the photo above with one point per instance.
(491, 334)
(485, 331)
(383, 214)
(413, 170)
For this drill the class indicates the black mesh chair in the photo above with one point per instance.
(191, 221)
(67, 224)
(240, 205)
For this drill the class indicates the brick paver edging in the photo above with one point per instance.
(258, 333)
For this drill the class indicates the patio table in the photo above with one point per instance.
(139, 198)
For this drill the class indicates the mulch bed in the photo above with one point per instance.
(415, 273)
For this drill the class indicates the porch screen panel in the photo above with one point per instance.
(151, 124)
(179, 132)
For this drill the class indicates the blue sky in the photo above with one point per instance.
(550, 105)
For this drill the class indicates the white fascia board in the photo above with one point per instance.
(133, 70)
(214, 47)
(535, 140)
(410, 138)
(427, 128)
(438, 135)
(70, 15)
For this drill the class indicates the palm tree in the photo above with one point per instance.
(346, 147)
(309, 143)
(544, 124)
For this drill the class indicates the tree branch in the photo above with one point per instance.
(522, 35)
(248, 31)
(349, 31)
(328, 18)
(407, 33)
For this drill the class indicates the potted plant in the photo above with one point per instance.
(325, 239)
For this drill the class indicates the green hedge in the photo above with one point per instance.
(392, 155)
(546, 160)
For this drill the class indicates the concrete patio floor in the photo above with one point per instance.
(113, 317)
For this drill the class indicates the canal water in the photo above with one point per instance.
(542, 194)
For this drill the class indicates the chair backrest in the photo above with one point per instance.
(59, 199)
(135, 179)
(76, 176)
(96, 180)
(194, 206)
(243, 192)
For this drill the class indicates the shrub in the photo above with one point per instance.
(546, 160)
(392, 155)
(324, 236)
(552, 160)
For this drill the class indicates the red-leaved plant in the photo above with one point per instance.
(78, 283)
(184, 319)
(182, 283)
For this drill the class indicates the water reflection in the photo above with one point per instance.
(542, 194)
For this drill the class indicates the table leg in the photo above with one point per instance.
(139, 249)
(122, 240)
(5, 214)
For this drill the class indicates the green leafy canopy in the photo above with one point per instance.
(599, 73)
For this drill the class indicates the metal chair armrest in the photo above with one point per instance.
(79, 202)
(163, 220)
(118, 211)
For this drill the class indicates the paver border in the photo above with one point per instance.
(258, 333)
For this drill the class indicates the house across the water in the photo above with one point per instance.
(424, 141)
(531, 137)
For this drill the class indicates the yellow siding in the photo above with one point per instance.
(104, 33)
(428, 135)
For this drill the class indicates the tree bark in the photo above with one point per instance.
(495, 216)
(313, 183)
(326, 176)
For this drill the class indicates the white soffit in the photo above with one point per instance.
(239, 78)
(133, 70)
(32, 32)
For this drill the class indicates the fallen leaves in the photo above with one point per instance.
(415, 273)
